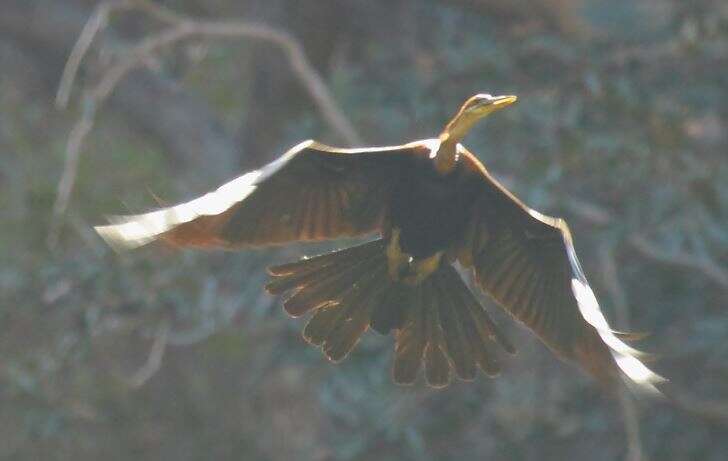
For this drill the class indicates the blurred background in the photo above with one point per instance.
(114, 107)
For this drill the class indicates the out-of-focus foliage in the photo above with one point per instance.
(621, 127)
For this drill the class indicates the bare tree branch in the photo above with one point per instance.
(160, 12)
(707, 267)
(154, 361)
(70, 168)
(136, 57)
(711, 410)
(311, 80)
(616, 290)
(96, 22)
(631, 426)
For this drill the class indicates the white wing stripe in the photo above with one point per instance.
(623, 354)
(137, 230)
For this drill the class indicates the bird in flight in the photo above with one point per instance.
(428, 204)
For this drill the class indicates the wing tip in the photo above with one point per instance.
(625, 358)
(115, 236)
(613, 366)
(637, 375)
(133, 231)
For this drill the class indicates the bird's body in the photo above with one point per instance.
(431, 209)
(432, 204)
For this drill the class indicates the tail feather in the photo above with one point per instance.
(299, 279)
(437, 365)
(389, 314)
(488, 330)
(354, 319)
(325, 289)
(317, 262)
(438, 324)
(483, 356)
(325, 278)
(458, 343)
(320, 324)
(411, 342)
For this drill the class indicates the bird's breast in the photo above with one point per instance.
(431, 210)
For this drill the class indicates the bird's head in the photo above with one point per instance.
(483, 104)
(474, 109)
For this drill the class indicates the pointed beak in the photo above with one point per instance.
(499, 102)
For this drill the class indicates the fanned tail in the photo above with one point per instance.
(341, 288)
(438, 323)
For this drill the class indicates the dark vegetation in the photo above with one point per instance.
(621, 128)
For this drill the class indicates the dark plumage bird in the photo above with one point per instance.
(430, 203)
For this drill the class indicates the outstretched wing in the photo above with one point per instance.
(526, 261)
(312, 192)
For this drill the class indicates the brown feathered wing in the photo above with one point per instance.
(526, 261)
(312, 192)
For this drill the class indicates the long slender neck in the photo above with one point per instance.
(454, 132)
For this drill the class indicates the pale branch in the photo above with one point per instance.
(154, 360)
(160, 12)
(300, 65)
(707, 267)
(613, 284)
(711, 410)
(86, 233)
(631, 420)
(96, 22)
(589, 212)
(70, 169)
(137, 57)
